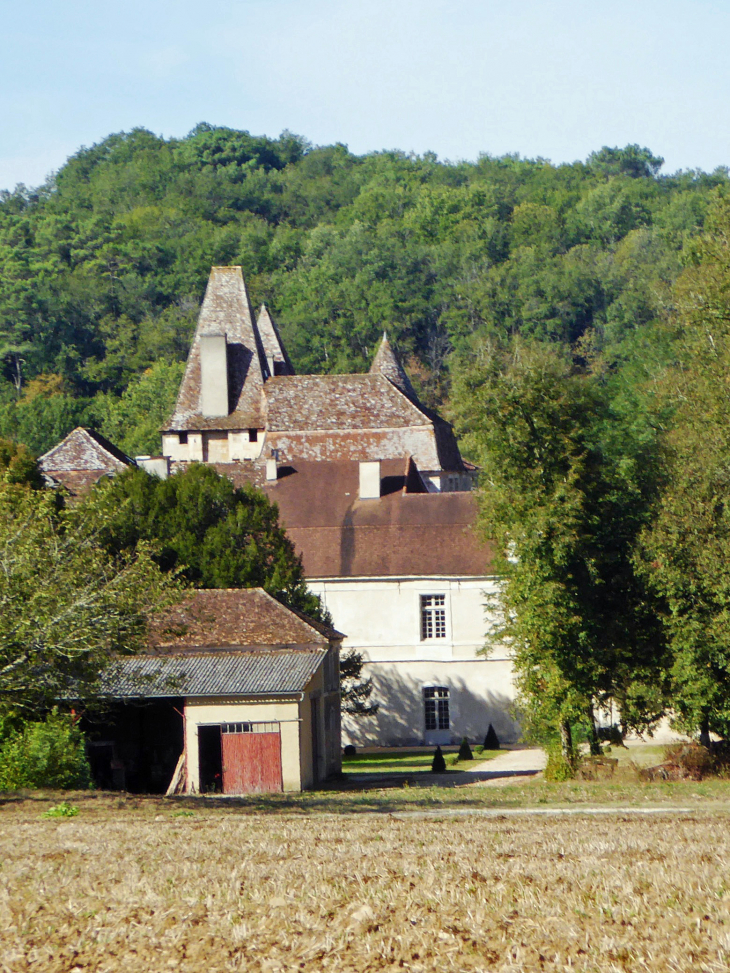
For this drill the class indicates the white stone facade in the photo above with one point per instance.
(382, 619)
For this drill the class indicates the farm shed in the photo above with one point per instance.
(236, 692)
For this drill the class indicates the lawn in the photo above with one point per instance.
(147, 884)
(403, 761)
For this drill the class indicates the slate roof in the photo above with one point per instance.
(84, 449)
(226, 310)
(81, 459)
(385, 363)
(225, 618)
(328, 402)
(213, 674)
(272, 344)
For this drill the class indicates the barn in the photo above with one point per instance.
(235, 694)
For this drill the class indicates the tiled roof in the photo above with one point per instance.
(231, 618)
(400, 534)
(385, 363)
(249, 673)
(271, 341)
(226, 310)
(84, 450)
(321, 402)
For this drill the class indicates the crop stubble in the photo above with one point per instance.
(218, 892)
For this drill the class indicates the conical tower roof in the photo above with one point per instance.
(386, 363)
(272, 344)
(226, 311)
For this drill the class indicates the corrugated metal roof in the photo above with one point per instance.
(213, 674)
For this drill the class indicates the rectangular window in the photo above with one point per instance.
(250, 728)
(436, 702)
(253, 435)
(182, 438)
(433, 617)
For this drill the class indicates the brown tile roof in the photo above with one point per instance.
(272, 344)
(407, 532)
(226, 310)
(229, 618)
(400, 534)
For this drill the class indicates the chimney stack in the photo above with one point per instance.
(370, 480)
(272, 471)
(213, 375)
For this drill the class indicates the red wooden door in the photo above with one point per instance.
(251, 760)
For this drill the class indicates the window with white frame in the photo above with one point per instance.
(433, 617)
(436, 704)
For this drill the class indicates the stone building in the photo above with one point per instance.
(374, 494)
(373, 491)
(240, 400)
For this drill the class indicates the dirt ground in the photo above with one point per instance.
(153, 886)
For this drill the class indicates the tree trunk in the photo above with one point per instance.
(705, 733)
(566, 741)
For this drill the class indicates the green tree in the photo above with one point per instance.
(687, 549)
(66, 605)
(215, 534)
(566, 514)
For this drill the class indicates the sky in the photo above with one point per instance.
(551, 78)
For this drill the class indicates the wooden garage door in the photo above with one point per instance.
(251, 757)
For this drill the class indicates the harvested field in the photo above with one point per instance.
(156, 886)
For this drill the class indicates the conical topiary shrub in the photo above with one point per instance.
(491, 740)
(465, 750)
(438, 765)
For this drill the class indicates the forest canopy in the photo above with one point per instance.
(103, 268)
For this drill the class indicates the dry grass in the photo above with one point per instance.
(149, 885)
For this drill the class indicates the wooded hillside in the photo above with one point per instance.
(102, 269)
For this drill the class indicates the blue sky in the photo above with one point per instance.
(550, 78)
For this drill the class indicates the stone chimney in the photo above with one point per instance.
(272, 470)
(370, 480)
(213, 375)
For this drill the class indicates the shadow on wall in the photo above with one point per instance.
(400, 720)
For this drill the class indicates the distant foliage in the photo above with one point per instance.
(49, 754)
(102, 270)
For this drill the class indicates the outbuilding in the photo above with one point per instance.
(235, 694)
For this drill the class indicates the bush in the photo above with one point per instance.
(465, 750)
(491, 740)
(48, 754)
(559, 767)
(438, 765)
(349, 751)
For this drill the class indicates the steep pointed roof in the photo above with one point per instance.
(386, 363)
(272, 344)
(226, 310)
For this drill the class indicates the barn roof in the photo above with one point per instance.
(252, 673)
(229, 618)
